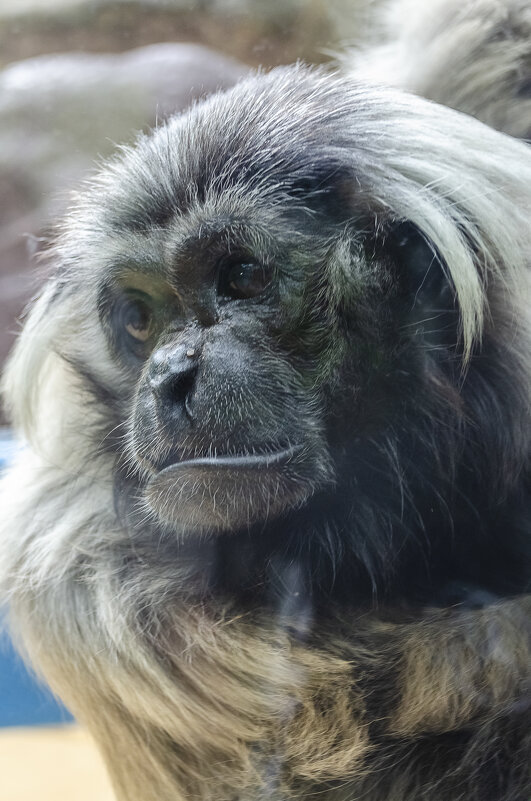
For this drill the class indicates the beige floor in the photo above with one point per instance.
(51, 764)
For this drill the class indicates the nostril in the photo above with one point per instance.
(181, 387)
(172, 376)
(182, 384)
(175, 387)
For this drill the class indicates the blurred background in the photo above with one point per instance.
(76, 78)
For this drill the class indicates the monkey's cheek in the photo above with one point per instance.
(205, 499)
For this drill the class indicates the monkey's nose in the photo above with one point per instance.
(172, 375)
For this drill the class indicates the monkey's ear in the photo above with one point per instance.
(426, 292)
(421, 273)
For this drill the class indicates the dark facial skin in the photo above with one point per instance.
(229, 418)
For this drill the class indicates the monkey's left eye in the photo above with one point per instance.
(137, 319)
(240, 279)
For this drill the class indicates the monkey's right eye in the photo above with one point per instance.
(136, 318)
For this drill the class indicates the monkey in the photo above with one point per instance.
(473, 56)
(269, 536)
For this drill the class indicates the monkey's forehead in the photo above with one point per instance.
(272, 138)
(297, 138)
(285, 138)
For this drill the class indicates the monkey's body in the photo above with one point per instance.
(270, 538)
(207, 699)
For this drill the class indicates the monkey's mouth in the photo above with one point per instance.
(224, 492)
(238, 461)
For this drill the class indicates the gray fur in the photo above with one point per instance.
(473, 56)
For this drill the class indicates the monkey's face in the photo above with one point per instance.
(254, 320)
(229, 330)
(227, 419)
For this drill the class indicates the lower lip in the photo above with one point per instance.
(244, 462)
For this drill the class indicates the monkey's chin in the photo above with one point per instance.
(226, 493)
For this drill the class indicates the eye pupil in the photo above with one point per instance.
(137, 320)
(241, 280)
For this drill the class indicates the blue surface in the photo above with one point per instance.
(23, 700)
(8, 447)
